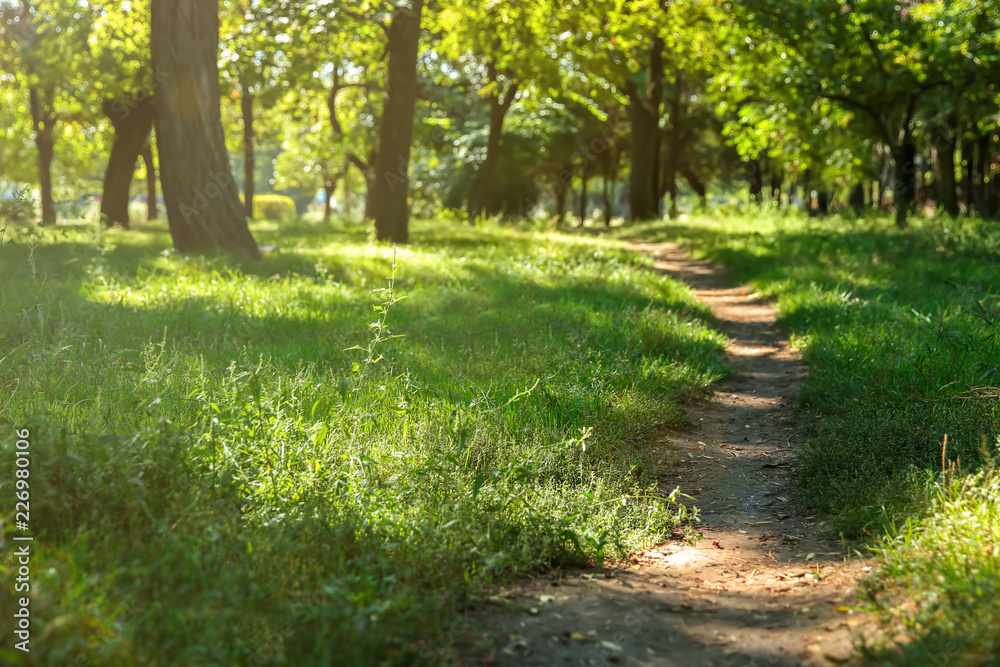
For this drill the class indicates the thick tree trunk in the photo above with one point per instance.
(943, 164)
(389, 203)
(644, 111)
(43, 122)
(775, 185)
(249, 157)
(905, 187)
(203, 205)
(152, 213)
(132, 118)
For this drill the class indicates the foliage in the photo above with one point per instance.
(273, 207)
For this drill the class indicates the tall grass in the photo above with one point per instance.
(284, 463)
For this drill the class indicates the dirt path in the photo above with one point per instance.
(758, 589)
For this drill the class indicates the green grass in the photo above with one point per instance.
(900, 331)
(218, 478)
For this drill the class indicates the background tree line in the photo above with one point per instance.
(505, 108)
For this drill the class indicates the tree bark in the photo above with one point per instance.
(249, 157)
(584, 182)
(152, 212)
(43, 122)
(132, 118)
(943, 165)
(389, 203)
(203, 205)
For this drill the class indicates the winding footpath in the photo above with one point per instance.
(760, 589)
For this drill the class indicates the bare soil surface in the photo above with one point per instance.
(758, 589)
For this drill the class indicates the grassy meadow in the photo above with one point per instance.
(320, 458)
(901, 331)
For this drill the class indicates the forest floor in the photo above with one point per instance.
(757, 587)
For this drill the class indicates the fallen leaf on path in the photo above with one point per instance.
(717, 545)
(810, 556)
(702, 443)
(844, 609)
(611, 646)
(578, 636)
(744, 532)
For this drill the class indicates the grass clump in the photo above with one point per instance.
(230, 467)
(937, 592)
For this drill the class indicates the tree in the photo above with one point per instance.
(200, 194)
(391, 185)
(34, 40)
(878, 60)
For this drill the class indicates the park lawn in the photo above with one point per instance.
(901, 330)
(217, 477)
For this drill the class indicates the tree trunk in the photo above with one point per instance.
(347, 190)
(822, 201)
(329, 186)
(856, 198)
(696, 184)
(968, 161)
(644, 109)
(905, 187)
(249, 158)
(152, 213)
(494, 146)
(775, 185)
(979, 176)
(943, 164)
(606, 197)
(132, 118)
(755, 179)
(561, 204)
(676, 142)
(202, 200)
(584, 181)
(43, 122)
(390, 207)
